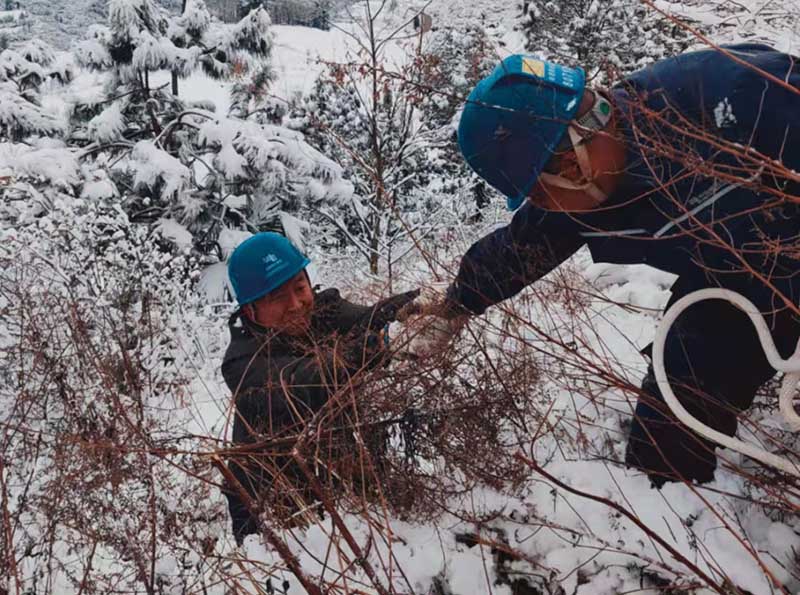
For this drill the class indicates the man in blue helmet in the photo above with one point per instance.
(291, 349)
(688, 165)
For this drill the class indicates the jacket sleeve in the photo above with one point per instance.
(338, 314)
(351, 315)
(355, 321)
(501, 264)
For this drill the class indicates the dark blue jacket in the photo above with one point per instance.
(681, 195)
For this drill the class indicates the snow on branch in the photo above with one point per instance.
(267, 148)
(54, 166)
(152, 167)
(108, 125)
(20, 117)
(93, 51)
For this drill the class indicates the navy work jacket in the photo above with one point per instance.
(707, 138)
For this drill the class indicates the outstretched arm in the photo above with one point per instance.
(501, 264)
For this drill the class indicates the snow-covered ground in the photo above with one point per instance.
(581, 544)
(562, 541)
(590, 549)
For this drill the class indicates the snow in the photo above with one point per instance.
(99, 187)
(229, 239)
(152, 165)
(37, 51)
(11, 15)
(57, 166)
(751, 21)
(91, 51)
(108, 124)
(199, 87)
(297, 54)
(152, 53)
(175, 232)
(573, 544)
(295, 229)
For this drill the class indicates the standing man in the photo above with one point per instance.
(688, 165)
(291, 349)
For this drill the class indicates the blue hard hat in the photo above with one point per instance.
(514, 119)
(261, 264)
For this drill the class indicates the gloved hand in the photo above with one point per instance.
(367, 345)
(432, 323)
(387, 310)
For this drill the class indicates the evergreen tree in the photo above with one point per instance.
(140, 39)
(398, 147)
(21, 76)
(187, 171)
(453, 62)
(374, 138)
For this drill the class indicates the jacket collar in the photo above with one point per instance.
(263, 333)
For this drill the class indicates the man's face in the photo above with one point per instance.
(288, 308)
(606, 160)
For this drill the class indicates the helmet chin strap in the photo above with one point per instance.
(588, 186)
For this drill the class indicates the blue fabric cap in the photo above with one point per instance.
(514, 119)
(261, 264)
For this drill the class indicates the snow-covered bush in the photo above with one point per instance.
(623, 35)
(94, 358)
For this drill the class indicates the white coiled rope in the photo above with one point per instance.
(791, 367)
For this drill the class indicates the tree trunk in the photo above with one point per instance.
(175, 74)
(373, 245)
(375, 145)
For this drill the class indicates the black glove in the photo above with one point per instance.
(367, 347)
(385, 311)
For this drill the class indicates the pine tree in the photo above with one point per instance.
(251, 43)
(21, 76)
(190, 173)
(140, 39)
(398, 147)
(453, 62)
(380, 127)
